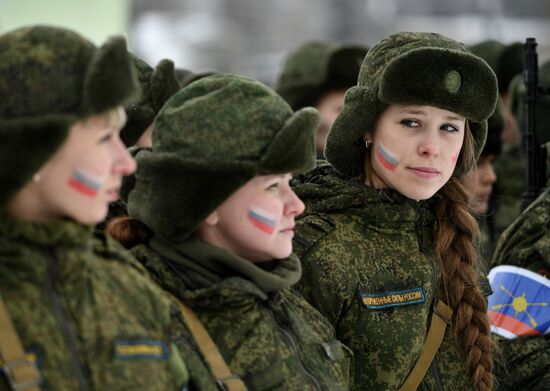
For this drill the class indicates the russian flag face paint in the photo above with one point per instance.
(386, 158)
(84, 183)
(262, 219)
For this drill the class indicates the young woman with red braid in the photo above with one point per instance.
(387, 240)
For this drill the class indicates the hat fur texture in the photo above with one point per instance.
(210, 138)
(417, 69)
(51, 77)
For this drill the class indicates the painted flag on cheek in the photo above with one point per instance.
(262, 219)
(520, 303)
(386, 158)
(85, 184)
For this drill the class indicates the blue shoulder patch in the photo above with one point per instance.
(140, 349)
(382, 300)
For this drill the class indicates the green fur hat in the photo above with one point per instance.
(542, 108)
(505, 60)
(411, 68)
(317, 67)
(210, 138)
(157, 85)
(186, 77)
(49, 78)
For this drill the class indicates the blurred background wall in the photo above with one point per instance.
(252, 36)
(96, 19)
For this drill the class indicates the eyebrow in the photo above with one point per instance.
(421, 112)
(410, 111)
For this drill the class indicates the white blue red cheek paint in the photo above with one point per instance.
(262, 219)
(84, 183)
(386, 158)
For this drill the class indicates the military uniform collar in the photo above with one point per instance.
(325, 190)
(59, 232)
(214, 265)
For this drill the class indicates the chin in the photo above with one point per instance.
(92, 217)
(417, 195)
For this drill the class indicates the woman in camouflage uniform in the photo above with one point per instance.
(217, 215)
(387, 236)
(85, 313)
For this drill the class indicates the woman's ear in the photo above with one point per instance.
(367, 138)
(212, 219)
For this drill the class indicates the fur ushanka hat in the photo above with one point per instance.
(505, 60)
(210, 138)
(157, 85)
(49, 78)
(316, 68)
(411, 68)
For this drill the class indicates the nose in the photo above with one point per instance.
(488, 174)
(294, 205)
(124, 163)
(430, 144)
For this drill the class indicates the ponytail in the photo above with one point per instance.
(129, 231)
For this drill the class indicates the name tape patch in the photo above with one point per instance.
(140, 349)
(393, 299)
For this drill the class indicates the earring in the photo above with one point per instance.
(36, 177)
(367, 143)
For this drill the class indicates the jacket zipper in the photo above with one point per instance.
(420, 221)
(295, 350)
(67, 330)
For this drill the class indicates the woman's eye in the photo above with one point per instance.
(410, 123)
(450, 128)
(106, 138)
(273, 186)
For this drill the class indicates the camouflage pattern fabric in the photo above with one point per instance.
(268, 335)
(85, 310)
(526, 243)
(369, 267)
(486, 246)
(510, 170)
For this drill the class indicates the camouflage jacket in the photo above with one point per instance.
(85, 312)
(269, 336)
(510, 171)
(486, 246)
(526, 243)
(369, 267)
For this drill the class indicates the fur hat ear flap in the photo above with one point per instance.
(345, 147)
(110, 79)
(41, 137)
(173, 195)
(293, 148)
(164, 83)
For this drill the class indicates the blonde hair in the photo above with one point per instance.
(115, 118)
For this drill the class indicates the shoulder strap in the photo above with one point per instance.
(225, 379)
(20, 372)
(441, 317)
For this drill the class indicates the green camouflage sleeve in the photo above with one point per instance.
(524, 363)
(326, 281)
